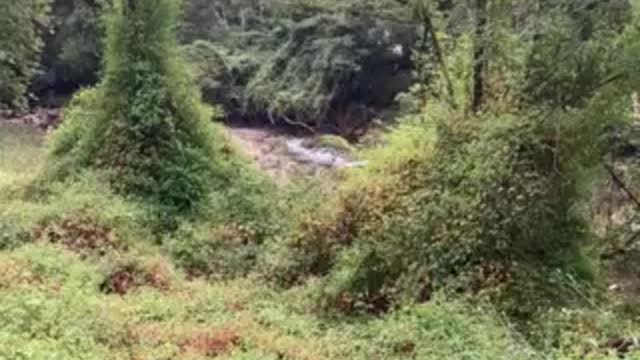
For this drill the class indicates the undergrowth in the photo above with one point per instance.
(56, 305)
(82, 277)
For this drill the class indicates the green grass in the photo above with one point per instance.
(68, 294)
(20, 152)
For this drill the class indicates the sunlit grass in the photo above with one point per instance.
(21, 152)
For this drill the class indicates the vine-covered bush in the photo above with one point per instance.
(489, 204)
(144, 128)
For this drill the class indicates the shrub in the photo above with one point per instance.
(217, 252)
(326, 222)
(444, 330)
(333, 142)
(591, 332)
(476, 205)
(131, 273)
(229, 234)
(292, 252)
(82, 214)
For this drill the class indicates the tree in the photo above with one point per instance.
(72, 51)
(479, 56)
(21, 24)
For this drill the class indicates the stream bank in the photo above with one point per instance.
(280, 153)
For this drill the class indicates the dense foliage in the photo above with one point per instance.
(326, 64)
(254, 59)
(494, 218)
(21, 25)
(73, 48)
(489, 203)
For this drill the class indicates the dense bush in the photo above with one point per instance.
(489, 203)
(476, 207)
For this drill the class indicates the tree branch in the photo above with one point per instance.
(635, 235)
(621, 184)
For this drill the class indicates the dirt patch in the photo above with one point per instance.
(211, 344)
(80, 235)
(14, 273)
(124, 279)
(45, 119)
(373, 304)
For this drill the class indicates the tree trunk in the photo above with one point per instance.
(636, 106)
(440, 58)
(429, 33)
(479, 56)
